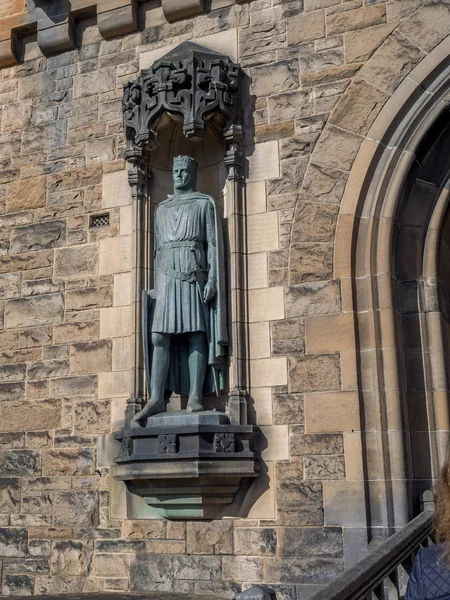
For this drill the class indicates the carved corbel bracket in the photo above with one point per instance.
(175, 10)
(190, 81)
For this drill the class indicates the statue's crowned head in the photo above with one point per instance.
(184, 173)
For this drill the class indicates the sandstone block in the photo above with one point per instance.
(262, 231)
(40, 84)
(74, 386)
(39, 236)
(330, 333)
(82, 331)
(292, 172)
(275, 78)
(359, 18)
(301, 145)
(303, 570)
(304, 27)
(39, 503)
(10, 490)
(44, 137)
(19, 463)
(315, 222)
(13, 372)
(68, 461)
(91, 357)
(96, 82)
(154, 529)
(26, 194)
(323, 184)
(337, 148)
(77, 261)
(210, 538)
(311, 262)
(283, 107)
(10, 286)
(395, 58)
(303, 444)
(196, 567)
(92, 417)
(11, 7)
(274, 131)
(116, 255)
(314, 373)
(360, 45)
(29, 416)
(47, 369)
(71, 557)
(288, 409)
(75, 508)
(89, 298)
(325, 467)
(12, 390)
(112, 565)
(255, 542)
(18, 585)
(37, 310)
(40, 287)
(39, 548)
(243, 568)
(332, 412)
(313, 298)
(148, 572)
(311, 541)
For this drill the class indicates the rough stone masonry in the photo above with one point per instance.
(321, 71)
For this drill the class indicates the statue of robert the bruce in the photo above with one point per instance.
(188, 328)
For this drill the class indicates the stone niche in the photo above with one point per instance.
(188, 465)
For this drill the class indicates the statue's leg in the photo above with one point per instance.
(160, 369)
(198, 363)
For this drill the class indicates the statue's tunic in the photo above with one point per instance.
(184, 229)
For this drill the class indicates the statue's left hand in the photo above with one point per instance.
(210, 290)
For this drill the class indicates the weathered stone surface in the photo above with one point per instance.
(18, 585)
(255, 542)
(36, 310)
(12, 390)
(48, 368)
(302, 444)
(39, 503)
(92, 417)
(75, 508)
(11, 7)
(38, 236)
(74, 386)
(27, 565)
(210, 538)
(76, 178)
(305, 27)
(358, 18)
(154, 529)
(72, 557)
(26, 194)
(150, 573)
(77, 261)
(49, 135)
(291, 105)
(88, 299)
(301, 145)
(360, 45)
(19, 463)
(29, 416)
(10, 490)
(69, 461)
(392, 62)
(40, 287)
(336, 148)
(196, 567)
(13, 372)
(10, 286)
(325, 467)
(275, 78)
(13, 542)
(39, 547)
(315, 298)
(91, 357)
(96, 82)
(323, 184)
(311, 541)
(36, 336)
(243, 568)
(274, 131)
(315, 222)
(358, 107)
(288, 409)
(314, 373)
(112, 565)
(303, 570)
(428, 26)
(82, 331)
(292, 172)
(310, 262)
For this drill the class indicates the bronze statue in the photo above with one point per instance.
(185, 315)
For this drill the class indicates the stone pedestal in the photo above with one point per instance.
(184, 465)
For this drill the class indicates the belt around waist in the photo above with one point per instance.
(193, 245)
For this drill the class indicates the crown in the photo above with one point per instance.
(185, 160)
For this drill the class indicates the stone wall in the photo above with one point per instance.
(320, 72)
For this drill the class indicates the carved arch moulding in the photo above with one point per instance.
(193, 93)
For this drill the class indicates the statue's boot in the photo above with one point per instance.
(194, 405)
(154, 406)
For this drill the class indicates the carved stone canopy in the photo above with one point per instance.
(191, 82)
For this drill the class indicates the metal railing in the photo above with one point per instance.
(384, 573)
